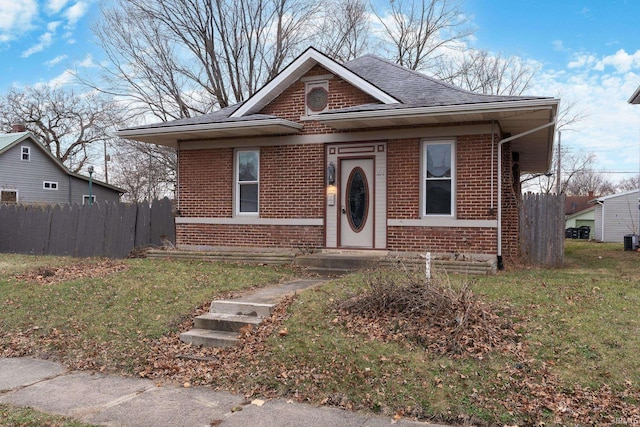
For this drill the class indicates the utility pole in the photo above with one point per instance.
(559, 162)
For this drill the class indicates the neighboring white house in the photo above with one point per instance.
(616, 216)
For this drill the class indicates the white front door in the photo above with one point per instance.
(356, 202)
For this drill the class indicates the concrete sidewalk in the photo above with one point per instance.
(120, 401)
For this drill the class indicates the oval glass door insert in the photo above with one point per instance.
(357, 199)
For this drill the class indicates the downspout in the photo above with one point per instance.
(500, 144)
(178, 178)
(601, 220)
(493, 143)
(69, 177)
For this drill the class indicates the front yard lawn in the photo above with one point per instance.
(573, 358)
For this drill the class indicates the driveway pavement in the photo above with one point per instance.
(121, 401)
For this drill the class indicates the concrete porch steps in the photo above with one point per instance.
(222, 325)
(209, 338)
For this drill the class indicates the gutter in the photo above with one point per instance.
(168, 130)
(500, 144)
(490, 107)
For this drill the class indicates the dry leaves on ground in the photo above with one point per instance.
(86, 269)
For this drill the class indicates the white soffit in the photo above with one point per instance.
(170, 135)
(296, 70)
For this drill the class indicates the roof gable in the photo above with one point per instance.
(297, 69)
(10, 140)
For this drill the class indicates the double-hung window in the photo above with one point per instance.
(438, 173)
(247, 179)
(25, 153)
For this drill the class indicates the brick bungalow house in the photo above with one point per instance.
(362, 155)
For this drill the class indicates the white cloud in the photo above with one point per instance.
(53, 26)
(16, 17)
(87, 62)
(76, 12)
(55, 6)
(621, 61)
(599, 87)
(63, 79)
(58, 59)
(44, 42)
(581, 61)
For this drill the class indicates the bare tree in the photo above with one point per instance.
(145, 171)
(587, 181)
(577, 173)
(344, 33)
(480, 71)
(416, 31)
(184, 57)
(67, 123)
(629, 184)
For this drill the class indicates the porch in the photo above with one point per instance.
(337, 262)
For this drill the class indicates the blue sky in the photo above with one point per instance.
(587, 52)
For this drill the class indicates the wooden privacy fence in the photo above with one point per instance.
(104, 229)
(542, 229)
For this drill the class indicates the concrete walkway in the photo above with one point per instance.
(121, 401)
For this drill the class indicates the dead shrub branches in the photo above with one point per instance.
(434, 314)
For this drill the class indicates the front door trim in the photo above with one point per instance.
(376, 150)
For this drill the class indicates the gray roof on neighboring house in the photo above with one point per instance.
(635, 98)
(8, 140)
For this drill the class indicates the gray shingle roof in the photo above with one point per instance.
(415, 89)
(412, 88)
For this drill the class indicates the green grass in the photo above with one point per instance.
(582, 317)
(110, 322)
(11, 416)
(579, 325)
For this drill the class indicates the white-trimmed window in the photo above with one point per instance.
(316, 97)
(25, 153)
(85, 199)
(8, 196)
(438, 174)
(247, 179)
(50, 185)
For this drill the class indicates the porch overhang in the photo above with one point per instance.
(515, 117)
(170, 135)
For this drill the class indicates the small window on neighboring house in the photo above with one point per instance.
(50, 185)
(317, 97)
(8, 196)
(247, 171)
(438, 175)
(26, 153)
(85, 199)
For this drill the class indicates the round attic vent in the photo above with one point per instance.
(317, 99)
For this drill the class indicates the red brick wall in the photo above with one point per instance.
(268, 236)
(206, 182)
(473, 192)
(292, 181)
(290, 104)
(510, 208)
(441, 239)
